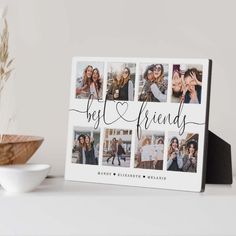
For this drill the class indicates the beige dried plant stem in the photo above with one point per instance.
(5, 62)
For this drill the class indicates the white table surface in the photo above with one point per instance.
(59, 207)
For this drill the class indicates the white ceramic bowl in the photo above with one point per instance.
(22, 178)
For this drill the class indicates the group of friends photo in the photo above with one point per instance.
(150, 151)
(181, 151)
(89, 81)
(154, 84)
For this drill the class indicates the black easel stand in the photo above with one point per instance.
(219, 166)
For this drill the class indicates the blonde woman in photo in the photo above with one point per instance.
(146, 154)
(83, 84)
(96, 85)
(122, 87)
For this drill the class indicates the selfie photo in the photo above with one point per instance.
(153, 82)
(86, 146)
(182, 152)
(187, 83)
(150, 150)
(89, 80)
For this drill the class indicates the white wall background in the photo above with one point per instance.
(46, 34)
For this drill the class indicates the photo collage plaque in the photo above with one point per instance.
(139, 122)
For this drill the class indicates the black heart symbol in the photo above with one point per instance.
(121, 108)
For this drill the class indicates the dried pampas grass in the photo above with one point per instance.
(5, 62)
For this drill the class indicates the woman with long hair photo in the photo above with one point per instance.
(177, 83)
(190, 159)
(80, 148)
(83, 83)
(175, 160)
(89, 151)
(126, 91)
(192, 86)
(146, 155)
(95, 87)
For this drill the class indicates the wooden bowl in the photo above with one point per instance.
(18, 149)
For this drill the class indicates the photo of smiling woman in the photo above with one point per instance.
(95, 87)
(89, 80)
(182, 152)
(190, 158)
(187, 84)
(153, 82)
(121, 81)
(86, 143)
